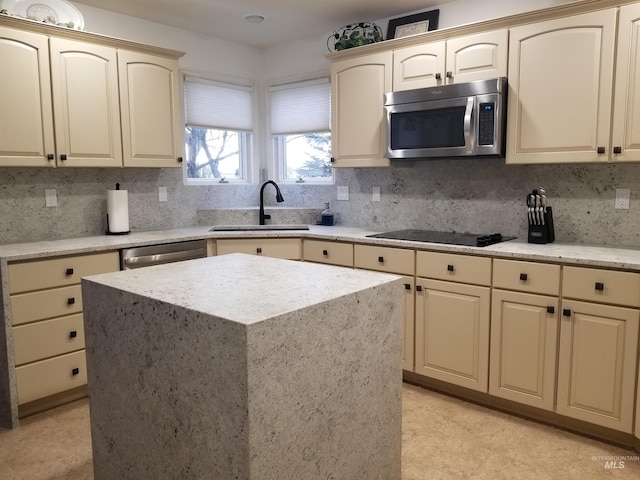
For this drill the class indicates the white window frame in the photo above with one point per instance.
(249, 164)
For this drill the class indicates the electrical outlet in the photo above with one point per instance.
(623, 195)
(50, 197)
(162, 194)
(343, 192)
(375, 196)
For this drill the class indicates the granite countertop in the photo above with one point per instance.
(273, 287)
(565, 253)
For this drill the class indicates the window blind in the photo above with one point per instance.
(219, 105)
(301, 107)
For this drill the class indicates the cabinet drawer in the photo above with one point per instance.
(526, 276)
(59, 271)
(48, 338)
(601, 286)
(333, 253)
(47, 377)
(454, 267)
(288, 248)
(384, 259)
(29, 307)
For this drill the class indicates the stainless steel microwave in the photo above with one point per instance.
(458, 120)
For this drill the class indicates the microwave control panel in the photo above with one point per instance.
(486, 122)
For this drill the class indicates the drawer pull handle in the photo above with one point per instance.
(63, 157)
(69, 271)
(73, 334)
(566, 312)
(325, 253)
(600, 150)
(180, 160)
(407, 286)
(617, 150)
(523, 277)
(418, 288)
(551, 309)
(75, 371)
(438, 76)
(599, 286)
(449, 74)
(381, 259)
(71, 301)
(450, 268)
(50, 156)
(258, 250)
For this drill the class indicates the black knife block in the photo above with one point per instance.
(543, 233)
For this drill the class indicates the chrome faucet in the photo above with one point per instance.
(279, 199)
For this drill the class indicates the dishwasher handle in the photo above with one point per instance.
(160, 258)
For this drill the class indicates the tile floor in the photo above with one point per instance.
(443, 438)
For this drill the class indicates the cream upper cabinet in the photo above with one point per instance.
(26, 114)
(463, 59)
(150, 102)
(560, 89)
(86, 105)
(625, 135)
(358, 134)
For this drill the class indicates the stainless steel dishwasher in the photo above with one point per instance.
(158, 254)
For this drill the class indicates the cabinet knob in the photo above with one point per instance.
(332, 160)
(180, 159)
(617, 150)
(381, 259)
(50, 156)
(449, 74)
(551, 309)
(407, 286)
(523, 277)
(450, 268)
(599, 286)
(438, 76)
(75, 371)
(71, 301)
(69, 271)
(258, 250)
(63, 157)
(73, 334)
(601, 150)
(418, 288)
(325, 253)
(566, 312)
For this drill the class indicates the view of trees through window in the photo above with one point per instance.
(305, 155)
(213, 153)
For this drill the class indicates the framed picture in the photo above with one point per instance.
(413, 24)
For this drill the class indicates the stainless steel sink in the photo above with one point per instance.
(248, 228)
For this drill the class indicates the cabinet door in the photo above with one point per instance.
(26, 115)
(150, 101)
(477, 57)
(597, 364)
(524, 336)
(452, 333)
(419, 66)
(408, 325)
(358, 131)
(625, 134)
(86, 105)
(560, 85)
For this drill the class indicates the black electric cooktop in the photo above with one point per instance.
(452, 238)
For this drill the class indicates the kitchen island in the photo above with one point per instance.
(244, 367)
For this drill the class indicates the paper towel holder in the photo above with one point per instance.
(115, 233)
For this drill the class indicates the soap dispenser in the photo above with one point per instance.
(327, 217)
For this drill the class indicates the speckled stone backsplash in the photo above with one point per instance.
(479, 195)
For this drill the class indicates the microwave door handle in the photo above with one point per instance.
(467, 125)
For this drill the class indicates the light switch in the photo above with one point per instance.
(50, 197)
(375, 196)
(162, 194)
(343, 192)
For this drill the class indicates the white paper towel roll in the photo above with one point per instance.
(118, 211)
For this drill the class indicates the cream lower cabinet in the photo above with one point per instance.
(358, 129)
(524, 332)
(47, 325)
(598, 354)
(452, 319)
(287, 248)
(463, 59)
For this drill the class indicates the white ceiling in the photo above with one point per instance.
(285, 20)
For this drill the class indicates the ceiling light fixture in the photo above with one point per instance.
(254, 18)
